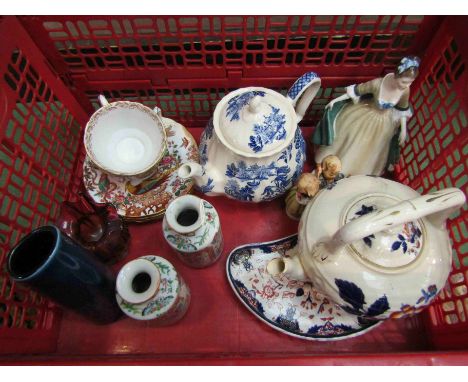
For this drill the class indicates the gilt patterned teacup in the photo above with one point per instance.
(126, 138)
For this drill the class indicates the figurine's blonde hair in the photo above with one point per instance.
(331, 162)
(308, 184)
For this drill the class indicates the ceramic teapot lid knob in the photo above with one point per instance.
(254, 104)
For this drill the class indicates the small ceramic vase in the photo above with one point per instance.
(149, 288)
(191, 227)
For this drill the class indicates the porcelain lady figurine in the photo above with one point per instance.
(364, 132)
(309, 184)
(191, 227)
(150, 288)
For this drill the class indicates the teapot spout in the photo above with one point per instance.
(198, 174)
(290, 267)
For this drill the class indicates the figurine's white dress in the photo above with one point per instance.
(363, 129)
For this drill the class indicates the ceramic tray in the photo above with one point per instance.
(148, 200)
(292, 307)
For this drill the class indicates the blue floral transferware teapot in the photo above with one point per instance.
(383, 250)
(252, 149)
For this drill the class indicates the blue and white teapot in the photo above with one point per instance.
(252, 149)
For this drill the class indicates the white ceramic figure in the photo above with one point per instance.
(191, 227)
(366, 126)
(382, 250)
(126, 138)
(150, 288)
(252, 149)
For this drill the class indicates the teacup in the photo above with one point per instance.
(126, 139)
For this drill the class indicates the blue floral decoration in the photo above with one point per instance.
(403, 241)
(324, 183)
(205, 137)
(364, 211)
(249, 297)
(272, 129)
(243, 257)
(208, 132)
(329, 329)
(429, 295)
(203, 149)
(354, 296)
(245, 193)
(208, 187)
(236, 103)
(287, 321)
(300, 145)
(244, 180)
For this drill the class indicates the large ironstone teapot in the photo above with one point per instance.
(375, 247)
(252, 149)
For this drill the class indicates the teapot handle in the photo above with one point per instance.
(442, 203)
(303, 92)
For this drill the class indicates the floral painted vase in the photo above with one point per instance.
(191, 227)
(150, 288)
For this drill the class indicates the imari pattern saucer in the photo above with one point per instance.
(292, 307)
(149, 199)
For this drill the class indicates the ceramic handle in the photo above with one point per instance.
(158, 111)
(102, 100)
(303, 92)
(439, 204)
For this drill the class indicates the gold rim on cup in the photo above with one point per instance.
(129, 105)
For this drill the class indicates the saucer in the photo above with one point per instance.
(292, 307)
(148, 200)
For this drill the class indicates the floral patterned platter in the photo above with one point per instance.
(149, 199)
(291, 307)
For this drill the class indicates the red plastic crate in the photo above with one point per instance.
(53, 67)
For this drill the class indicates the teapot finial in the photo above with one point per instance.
(254, 104)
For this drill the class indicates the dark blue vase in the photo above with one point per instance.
(56, 266)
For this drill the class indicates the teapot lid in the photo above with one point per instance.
(255, 122)
(393, 248)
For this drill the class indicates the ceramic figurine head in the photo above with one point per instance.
(407, 71)
(331, 167)
(307, 186)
